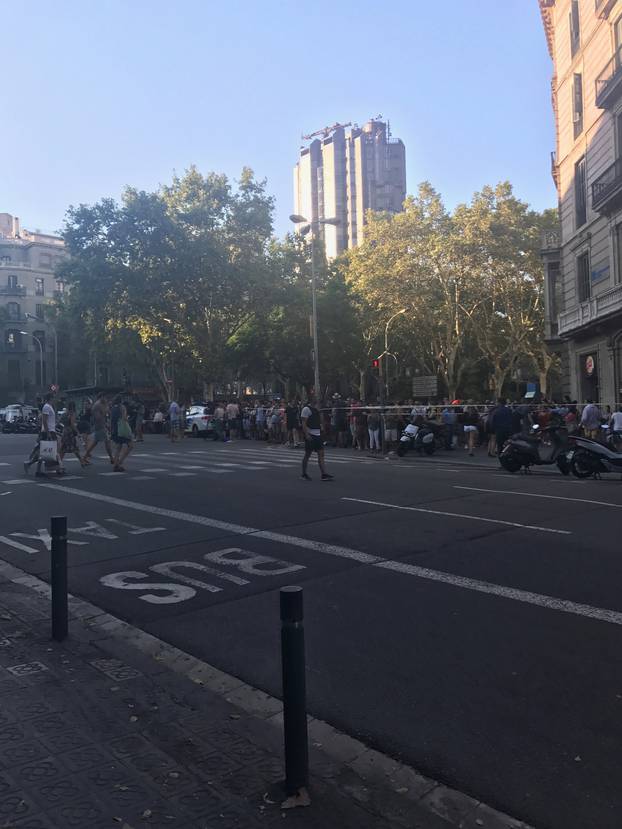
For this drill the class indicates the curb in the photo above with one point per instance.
(373, 767)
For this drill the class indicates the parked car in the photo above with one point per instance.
(199, 422)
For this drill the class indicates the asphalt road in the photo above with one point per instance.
(459, 618)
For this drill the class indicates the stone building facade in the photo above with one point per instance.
(28, 286)
(584, 261)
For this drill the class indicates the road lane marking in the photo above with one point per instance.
(135, 529)
(461, 515)
(538, 495)
(237, 529)
(141, 478)
(4, 493)
(525, 596)
(155, 469)
(19, 481)
(514, 594)
(22, 547)
(182, 474)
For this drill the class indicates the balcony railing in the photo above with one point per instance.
(551, 240)
(609, 82)
(607, 188)
(610, 302)
(603, 7)
(7, 290)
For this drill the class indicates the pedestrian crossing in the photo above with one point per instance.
(210, 461)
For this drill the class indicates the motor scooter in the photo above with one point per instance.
(589, 459)
(541, 447)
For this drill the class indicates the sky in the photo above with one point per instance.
(101, 94)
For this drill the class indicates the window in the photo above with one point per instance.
(619, 251)
(575, 31)
(554, 290)
(40, 311)
(577, 104)
(5, 260)
(11, 281)
(580, 200)
(40, 285)
(60, 286)
(13, 310)
(583, 276)
(13, 340)
(14, 374)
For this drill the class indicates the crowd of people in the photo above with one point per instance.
(118, 423)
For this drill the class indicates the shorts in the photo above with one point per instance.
(120, 441)
(174, 425)
(314, 443)
(99, 436)
(471, 429)
(390, 435)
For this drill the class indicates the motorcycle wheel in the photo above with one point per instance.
(402, 448)
(563, 466)
(510, 463)
(580, 465)
(429, 448)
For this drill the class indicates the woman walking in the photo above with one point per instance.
(69, 438)
(120, 433)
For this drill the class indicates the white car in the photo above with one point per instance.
(199, 422)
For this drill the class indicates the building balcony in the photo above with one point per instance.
(550, 242)
(603, 7)
(18, 290)
(607, 189)
(594, 308)
(609, 82)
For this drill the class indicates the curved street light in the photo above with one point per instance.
(313, 228)
(38, 341)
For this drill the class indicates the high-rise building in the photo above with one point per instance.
(583, 295)
(28, 285)
(342, 174)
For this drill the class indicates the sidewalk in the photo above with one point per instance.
(98, 733)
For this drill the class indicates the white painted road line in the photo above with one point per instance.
(155, 469)
(19, 481)
(460, 515)
(21, 547)
(141, 478)
(538, 599)
(538, 495)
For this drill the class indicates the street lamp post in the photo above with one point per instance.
(386, 344)
(313, 227)
(38, 341)
(55, 333)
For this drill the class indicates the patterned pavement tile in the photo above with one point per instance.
(22, 752)
(39, 772)
(80, 815)
(62, 792)
(16, 805)
(86, 757)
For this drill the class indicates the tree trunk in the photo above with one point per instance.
(543, 375)
(498, 379)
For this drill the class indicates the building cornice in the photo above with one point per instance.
(546, 10)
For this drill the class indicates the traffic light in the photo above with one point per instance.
(375, 363)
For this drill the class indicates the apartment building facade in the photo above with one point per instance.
(584, 261)
(346, 172)
(28, 285)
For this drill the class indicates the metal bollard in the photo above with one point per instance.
(58, 578)
(294, 692)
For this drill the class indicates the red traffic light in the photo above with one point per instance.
(375, 363)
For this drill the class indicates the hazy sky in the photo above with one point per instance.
(97, 94)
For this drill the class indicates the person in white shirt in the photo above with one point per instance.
(48, 432)
(615, 425)
(173, 415)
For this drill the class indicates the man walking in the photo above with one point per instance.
(174, 414)
(47, 432)
(502, 423)
(311, 428)
(590, 420)
(99, 415)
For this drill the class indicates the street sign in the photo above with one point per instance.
(54, 387)
(425, 385)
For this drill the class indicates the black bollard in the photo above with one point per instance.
(58, 578)
(294, 692)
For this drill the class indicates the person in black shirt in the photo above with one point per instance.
(311, 427)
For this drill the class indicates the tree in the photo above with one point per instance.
(183, 268)
(413, 260)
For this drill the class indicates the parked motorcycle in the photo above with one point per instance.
(419, 438)
(542, 447)
(589, 458)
